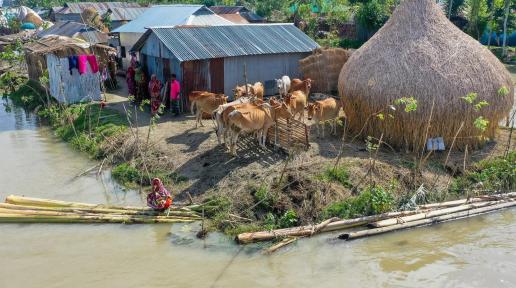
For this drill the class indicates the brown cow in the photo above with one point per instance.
(322, 111)
(257, 90)
(192, 96)
(208, 103)
(250, 119)
(304, 85)
(297, 101)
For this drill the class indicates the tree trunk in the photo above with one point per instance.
(504, 45)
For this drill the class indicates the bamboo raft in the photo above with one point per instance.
(378, 224)
(18, 209)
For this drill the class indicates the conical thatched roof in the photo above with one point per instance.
(419, 53)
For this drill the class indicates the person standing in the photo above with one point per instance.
(131, 84)
(175, 90)
(155, 93)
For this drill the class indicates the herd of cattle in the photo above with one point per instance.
(249, 113)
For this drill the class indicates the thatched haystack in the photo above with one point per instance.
(420, 54)
(324, 67)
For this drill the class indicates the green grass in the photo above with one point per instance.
(338, 174)
(497, 174)
(373, 200)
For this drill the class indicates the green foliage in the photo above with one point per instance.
(264, 198)
(371, 145)
(373, 200)
(481, 123)
(350, 43)
(373, 14)
(338, 174)
(125, 174)
(497, 174)
(503, 91)
(215, 205)
(289, 219)
(470, 98)
(477, 14)
(270, 221)
(457, 6)
(410, 103)
(480, 105)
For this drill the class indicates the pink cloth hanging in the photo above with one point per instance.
(83, 59)
(93, 63)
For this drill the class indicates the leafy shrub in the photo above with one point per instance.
(289, 219)
(338, 174)
(264, 198)
(125, 173)
(497, 174)
(373, 200)
(350, 43)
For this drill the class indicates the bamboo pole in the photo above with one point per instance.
(283, 243)
(21, 218)
(66, 214)
(466, 201)
(430, 214)
(302, 231)
(29, 201)
(99, 210)
(423, 222)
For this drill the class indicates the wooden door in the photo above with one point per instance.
(217, 75)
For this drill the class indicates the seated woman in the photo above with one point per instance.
(159, 199)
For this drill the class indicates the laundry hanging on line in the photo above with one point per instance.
(80, 63)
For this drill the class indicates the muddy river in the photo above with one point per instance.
(478, 252)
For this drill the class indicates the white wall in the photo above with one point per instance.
(128, 40)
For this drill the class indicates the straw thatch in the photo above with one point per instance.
(420, 53)
(323, 67)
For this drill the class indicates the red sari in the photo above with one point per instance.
(155, 91)
(131, 85)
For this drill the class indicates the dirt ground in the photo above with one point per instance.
(197, 155)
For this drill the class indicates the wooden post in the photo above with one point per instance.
(245, 80)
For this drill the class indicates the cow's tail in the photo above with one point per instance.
(192, 107)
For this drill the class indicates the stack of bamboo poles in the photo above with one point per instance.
(34, 210)
(382, 223)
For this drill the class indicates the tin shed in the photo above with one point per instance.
(213, 58)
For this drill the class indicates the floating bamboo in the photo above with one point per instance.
(283, 243)
(430, 214)
(29, 201)
(21, 218)
(466, 201)
(308, 230)
(190, 214)
(423, 222)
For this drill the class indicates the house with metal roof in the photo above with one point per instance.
(75, 30)
(214, 58)
(162, 15)
(237, 14)
(122, 15)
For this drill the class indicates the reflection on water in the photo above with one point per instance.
(477, 252)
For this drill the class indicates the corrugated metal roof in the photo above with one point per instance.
(243, 11)
(196, 43)
(75, 29)
(235, 18)
(101, 7)
(126, 14)
(173, 15)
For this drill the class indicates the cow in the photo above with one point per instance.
(256, 90)
(250, 119)
(297, 101)
(283, 85)
(191, 98)
(219, 119)
(208, 102)
(322, 111)
(302, 85)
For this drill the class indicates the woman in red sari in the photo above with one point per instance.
(131, 85)
(155, 94)
(159, 199)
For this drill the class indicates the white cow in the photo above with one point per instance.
(283, 85)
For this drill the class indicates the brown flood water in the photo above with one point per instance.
(477, 252)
